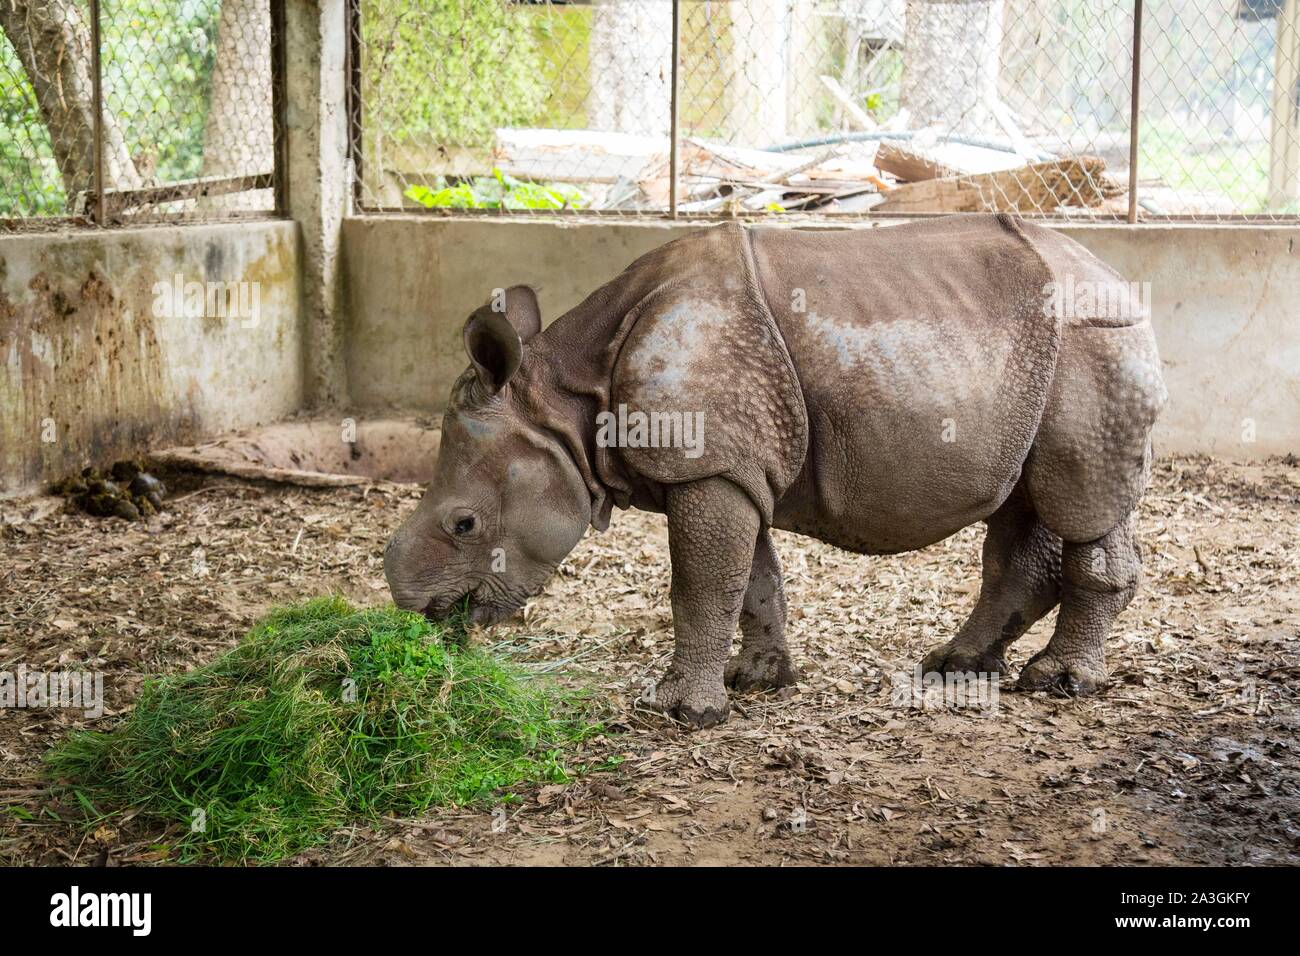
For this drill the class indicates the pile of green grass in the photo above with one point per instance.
(324, 715)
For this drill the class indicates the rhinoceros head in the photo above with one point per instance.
(507, 502)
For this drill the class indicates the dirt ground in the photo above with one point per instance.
(1190, 757)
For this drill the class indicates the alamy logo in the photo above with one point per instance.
(638, 429)
(933, 690)
(1085, 300)
(75, 908)
(212, 300)
(73, 689)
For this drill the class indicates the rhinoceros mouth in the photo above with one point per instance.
(483, 614)
(480, 609)
(486, 615)
(439, 610)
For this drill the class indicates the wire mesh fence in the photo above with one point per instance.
(761, 108)
(126, 111)
(829, 107)
(1218, 135)
(46, 122)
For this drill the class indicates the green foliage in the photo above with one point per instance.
(498, 191)
(448, 71)
(30, 183)
(158, 60)
(322, 716)
(563, 36)
(158, 57)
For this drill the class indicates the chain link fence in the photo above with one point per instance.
(128, 111)
(1218, 137)
(708, 108)
(829, 107)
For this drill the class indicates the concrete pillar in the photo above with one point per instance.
(631, 66)
(950, 64)
(807, 58)
(319, 183)
(239, 136)
(1284, 137)
(759, 80)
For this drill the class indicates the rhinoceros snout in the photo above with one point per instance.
(407, 595)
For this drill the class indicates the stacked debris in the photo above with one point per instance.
(887, 175)
(882, 170)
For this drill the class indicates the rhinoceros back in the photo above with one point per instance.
(925, 355)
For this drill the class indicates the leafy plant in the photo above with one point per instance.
(498, 191)
(158, 61)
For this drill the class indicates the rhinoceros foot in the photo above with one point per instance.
(761, 669)
(1076, 678)
(956, 658)
(697, 704)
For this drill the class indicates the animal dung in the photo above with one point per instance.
(127, 492)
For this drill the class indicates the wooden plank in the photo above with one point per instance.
(116, 201)
(909, 165)
(192, 460)
(1038, 187)
(855, 112)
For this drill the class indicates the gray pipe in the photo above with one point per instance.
(873, 136)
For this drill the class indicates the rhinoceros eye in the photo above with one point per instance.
(465, 525)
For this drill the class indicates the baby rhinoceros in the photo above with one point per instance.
(877, 389)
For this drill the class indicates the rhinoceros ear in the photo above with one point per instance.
(522, 311)
(494, 348)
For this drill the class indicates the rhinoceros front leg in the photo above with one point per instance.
(764, 659)
(712, 528)
(1099, 578)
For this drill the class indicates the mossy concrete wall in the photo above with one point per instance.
(1223, 300)
(96, 362)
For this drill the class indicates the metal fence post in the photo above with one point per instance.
(97, 121)
(353, 57)
(279, 109)
(674, 132)
(1134, 113)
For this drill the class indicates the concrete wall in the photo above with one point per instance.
(93, 369)
(96, 365)
(411, 281)
(1224, 303)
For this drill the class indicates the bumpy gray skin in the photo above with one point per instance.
(878, 390)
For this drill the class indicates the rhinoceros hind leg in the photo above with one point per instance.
(1099, 578)
(1021, 583)
(764, 658)
(712, 530)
